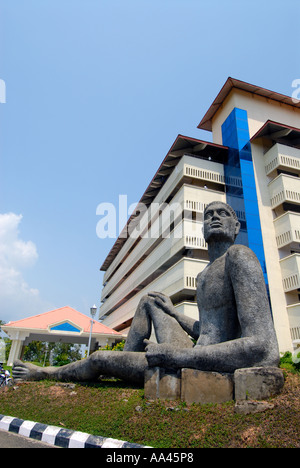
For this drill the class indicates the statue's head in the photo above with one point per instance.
(220, 223)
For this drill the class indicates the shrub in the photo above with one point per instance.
(118, 347)
(291, 361)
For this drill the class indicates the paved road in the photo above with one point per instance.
(11, 440)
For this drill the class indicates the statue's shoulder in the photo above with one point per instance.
(238, 253)
(244, 269)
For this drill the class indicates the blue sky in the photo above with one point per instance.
(96, 93)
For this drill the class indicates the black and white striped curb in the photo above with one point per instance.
(59, 437)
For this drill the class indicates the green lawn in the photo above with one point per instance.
(114, 409)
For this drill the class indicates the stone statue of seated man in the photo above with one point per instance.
(234, 330)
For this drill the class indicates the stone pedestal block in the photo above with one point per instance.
(205, 387)
(162, 383)
(195, 386)
(258, 383)
(151, 383)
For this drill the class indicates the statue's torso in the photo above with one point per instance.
(216, 303)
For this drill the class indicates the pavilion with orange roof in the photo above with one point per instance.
(65, 325)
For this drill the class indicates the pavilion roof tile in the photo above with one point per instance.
(46, 319)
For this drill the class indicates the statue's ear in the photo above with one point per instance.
(237, 227)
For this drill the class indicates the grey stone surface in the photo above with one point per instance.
(258, 383)
(205, 387)
(162, 383)
(169, 384)
(251, 407)
(234, 330)
(151, 384)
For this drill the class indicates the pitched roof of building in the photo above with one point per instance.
(206, 122)
(279, 133)
(43, 321)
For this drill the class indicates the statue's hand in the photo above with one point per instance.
(156, 354)
(164, 302)
(22, 371)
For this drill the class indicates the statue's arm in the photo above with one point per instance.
(250, 293)
(221, 357)
(190, 325)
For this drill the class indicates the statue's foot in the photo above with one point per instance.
(24, 371)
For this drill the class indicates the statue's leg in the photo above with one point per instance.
(167, 329)
(121, 364)
(124, 365)
(140, 328)
(129, 364)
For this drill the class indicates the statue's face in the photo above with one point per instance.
(220, 224)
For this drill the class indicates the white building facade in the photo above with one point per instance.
(254, 165)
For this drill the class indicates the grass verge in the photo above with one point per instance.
(111, 408)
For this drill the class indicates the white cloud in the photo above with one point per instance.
(14, 251)
(17, 298)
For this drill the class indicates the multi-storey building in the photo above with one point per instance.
(254, 165)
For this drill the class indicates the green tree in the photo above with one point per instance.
(61, 353)
(35, 352)
(7, 347)
(64, 353)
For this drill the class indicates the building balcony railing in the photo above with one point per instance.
(196, 199)
(290, 270)
(287, 229)
(186, 234)
(284, 189)
(145, 263)
(206, 181)
(283, 158)
(214, 174)
(180, 277)
(294, 320)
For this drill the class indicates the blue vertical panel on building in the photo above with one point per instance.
(240, 182)
(233, 177)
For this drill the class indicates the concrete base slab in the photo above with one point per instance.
(205, 387)
(258, 383)
(195, 386)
